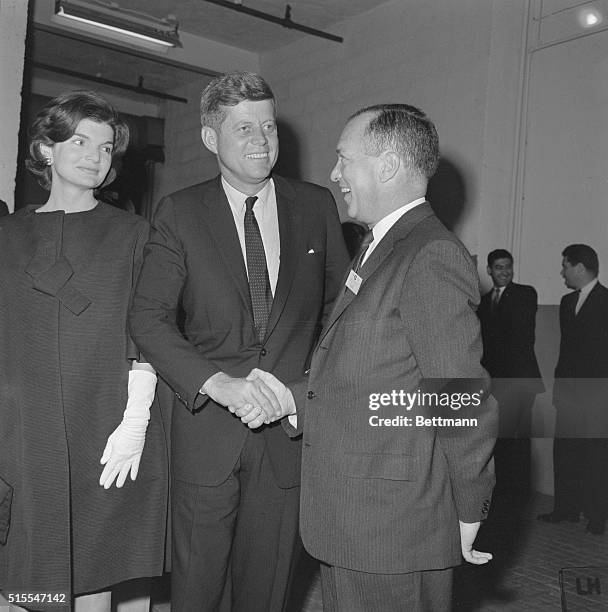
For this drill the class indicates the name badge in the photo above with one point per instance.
(353, 282)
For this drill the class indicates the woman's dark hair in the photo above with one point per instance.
(57, 122)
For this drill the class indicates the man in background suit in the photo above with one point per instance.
(508, 322)
(255, 260)
(389, 505)
(3, 208)
(580, 395)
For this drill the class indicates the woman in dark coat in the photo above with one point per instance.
(76, 406)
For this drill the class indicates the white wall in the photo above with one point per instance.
(187, 161)
(566, 160)
(459, 61)
(13, 19)
(498, 170)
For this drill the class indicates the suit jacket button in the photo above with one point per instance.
(310, 395)
(263, 352)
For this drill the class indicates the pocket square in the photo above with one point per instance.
(315, 250)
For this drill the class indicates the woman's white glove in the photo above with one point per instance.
(126, 444)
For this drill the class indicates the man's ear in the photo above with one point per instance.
(489, 270)
(209, 138)
(390, 162)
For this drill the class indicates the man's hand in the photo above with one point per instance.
(245, 395)
(252, 416)
(283, 394)
(468, 533)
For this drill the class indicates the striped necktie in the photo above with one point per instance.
(495, 298)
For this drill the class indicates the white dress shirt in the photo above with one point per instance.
(500, 292)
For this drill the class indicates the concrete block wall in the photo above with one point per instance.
(433, 54)
(187, 161)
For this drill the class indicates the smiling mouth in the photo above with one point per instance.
(257, 156)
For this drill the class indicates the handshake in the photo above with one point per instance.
(258, 399)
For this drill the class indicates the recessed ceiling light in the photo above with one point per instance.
(590, 17)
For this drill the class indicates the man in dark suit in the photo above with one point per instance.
(3, 208)
(393, 485)
(255, 260)
(580, 395)
(508, 322)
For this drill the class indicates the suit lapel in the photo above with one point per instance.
(485, 302)
(570, 305)
(399, 231)
(290, 236)
(588, 303)
(219, 219)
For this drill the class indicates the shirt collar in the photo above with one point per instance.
(586, 290)
(381, 228)
(237, 198)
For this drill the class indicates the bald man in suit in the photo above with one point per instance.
(390, 505)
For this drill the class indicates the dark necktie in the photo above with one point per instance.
(368, 238)
(259, 283)
(495, 298)
(578, 299)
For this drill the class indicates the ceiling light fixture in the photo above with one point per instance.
(126, 25)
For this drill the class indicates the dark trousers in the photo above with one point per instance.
(512, 454)
(346, 590)
(235, 544)
(581, 477)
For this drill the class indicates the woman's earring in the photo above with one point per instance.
(49, 161)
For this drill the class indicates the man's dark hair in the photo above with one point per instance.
(407, 131)
(583, 254)
(229, 90)
(498, 254)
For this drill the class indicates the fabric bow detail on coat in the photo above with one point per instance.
(54, 279)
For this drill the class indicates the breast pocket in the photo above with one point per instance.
(387, 466)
